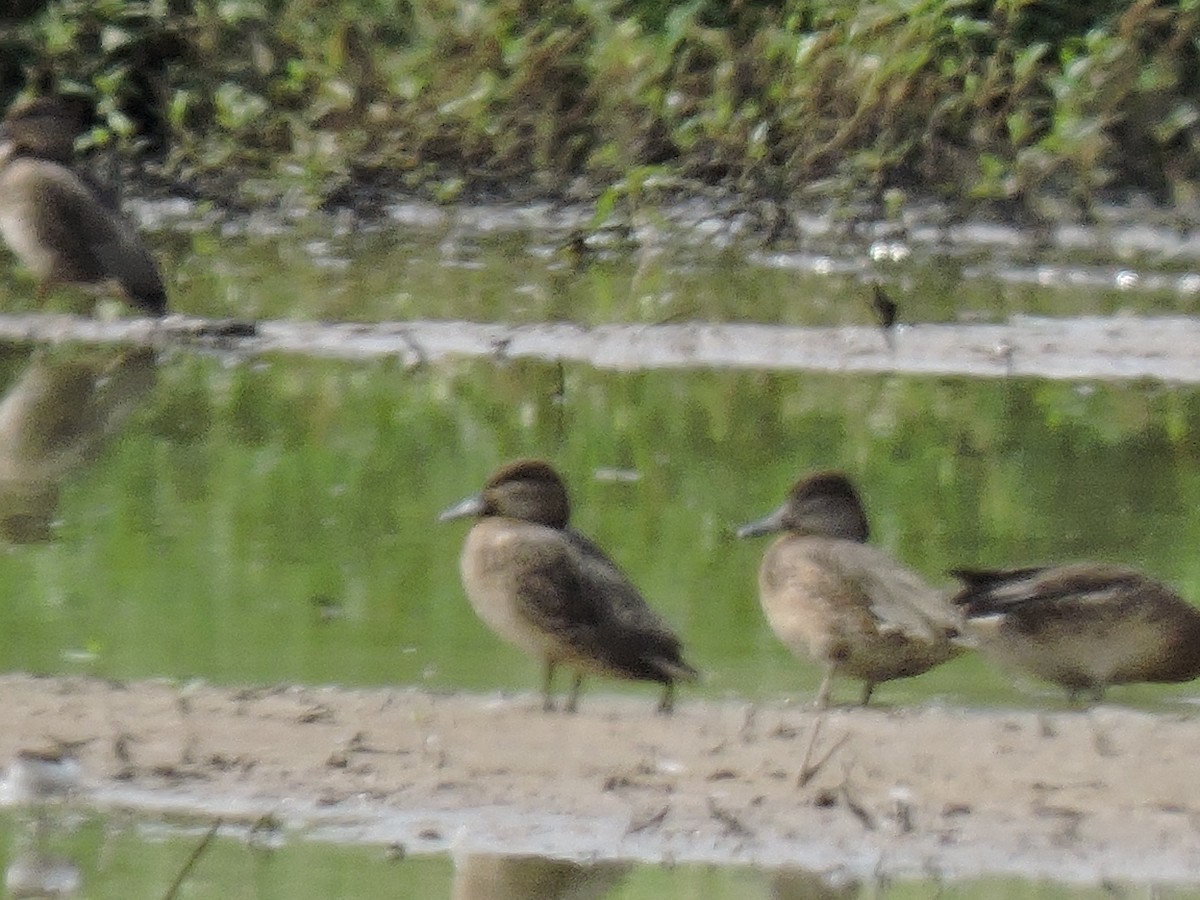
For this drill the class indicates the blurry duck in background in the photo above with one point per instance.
(489, 876)
(852, 608)
(550, 591)
(56, 223)
(1083, 626)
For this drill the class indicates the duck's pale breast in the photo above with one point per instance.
(21, 189)
(61, 232)
(850, 603)
(495, 562)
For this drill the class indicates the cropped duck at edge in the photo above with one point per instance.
(852, 608)
(1083, 625)
(552, 592)
(55, 222)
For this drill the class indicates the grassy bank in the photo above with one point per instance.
(963, 99)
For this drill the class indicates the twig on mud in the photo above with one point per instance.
(641, 824)
(733, 825)
(809, 772)
(860, 811)
(191, 861)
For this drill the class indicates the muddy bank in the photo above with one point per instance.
(1116, 348)
(1107, 793)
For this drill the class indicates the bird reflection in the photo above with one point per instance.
(54, 419)
(803, 884)
(34, 873)
(41, 781)
(486, 876)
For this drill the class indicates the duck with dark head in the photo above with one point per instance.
(547, 589)
(849, 606)
(55, 222)
(1082, 625)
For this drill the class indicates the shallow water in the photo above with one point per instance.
(200, 515)
(57, 852)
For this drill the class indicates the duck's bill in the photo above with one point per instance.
(765, 525)
(471, 506)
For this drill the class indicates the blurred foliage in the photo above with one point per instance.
(971, 99)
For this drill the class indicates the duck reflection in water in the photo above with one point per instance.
(486, 876)
(40, 782)
(851, 607)
(547, 589)
(1083, 625)
(56, 223)
(56, 418)
(804, 884)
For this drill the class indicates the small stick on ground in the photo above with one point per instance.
(641, 824)
(733, 825)
(809, 771)
(859, 811)
(191, 861)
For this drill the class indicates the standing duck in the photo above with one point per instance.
(547, 589)
(1083, 626)
(852, 608)
(54, 221)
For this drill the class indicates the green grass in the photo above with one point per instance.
(974, 102)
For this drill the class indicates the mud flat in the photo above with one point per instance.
(1077, 796)
(1097, 348)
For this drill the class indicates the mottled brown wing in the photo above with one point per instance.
(551, 594)
(898, 598)
(1077, 590)
(636, 639)
(96, 243)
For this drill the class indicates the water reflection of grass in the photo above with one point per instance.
(274, 521)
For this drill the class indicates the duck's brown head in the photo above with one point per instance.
(825, 505)
(44, 128)
(527, 489)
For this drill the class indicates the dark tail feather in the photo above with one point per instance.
(978, 597)
(152, 302)
(986, 579)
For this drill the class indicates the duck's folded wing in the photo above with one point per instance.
(551, 594)
(104, 244)
(634, 638)
(898, 598)
(1080, 587)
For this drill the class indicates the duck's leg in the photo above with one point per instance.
(826, 686)
(573, 697)
(666, 703)
(1085, 694)
(868, 688)
(547, 686)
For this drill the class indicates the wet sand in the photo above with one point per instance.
(1078, 796)
(1118, 348)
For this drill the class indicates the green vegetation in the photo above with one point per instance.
(326, 103)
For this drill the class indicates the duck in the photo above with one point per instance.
(849, 606)
(56, 223)
(496, 876)
(550, 591)
(1082, 625)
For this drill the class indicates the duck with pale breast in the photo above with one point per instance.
(1082, 625)
(846, 604)
(544, 587)
(55, 222)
